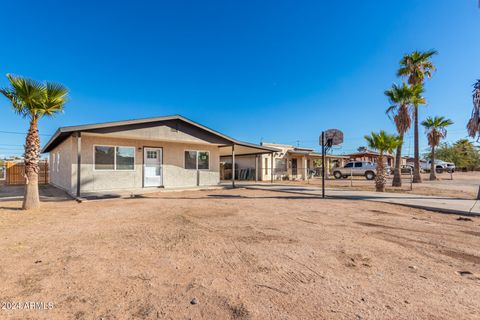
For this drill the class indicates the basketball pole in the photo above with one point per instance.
(323, 164)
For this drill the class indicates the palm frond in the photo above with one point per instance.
(436, 129)
(383, 142)
(416, 66)
(401, 98)
(34, 99)
(473, 125)
(54, 99)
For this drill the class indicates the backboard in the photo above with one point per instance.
(333, 137)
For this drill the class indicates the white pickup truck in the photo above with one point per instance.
(440, 166)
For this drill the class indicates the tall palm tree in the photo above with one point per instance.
(436, 131)
(33, 100)
(401, 98)
(473, 125)
(417, 66)
(383, 142)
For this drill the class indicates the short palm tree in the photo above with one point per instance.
(417, 66)
(32, 100)
(383, 142)
(436, 131)
(401, 99)
(473, 125)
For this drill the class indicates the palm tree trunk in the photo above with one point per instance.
(32, 154)
(417, 178)
(380, 179)
(397, 177)
(433, 175)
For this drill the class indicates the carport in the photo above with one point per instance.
(245, 149)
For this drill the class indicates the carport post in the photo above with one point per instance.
(256, 168)
(233, 165)
(79, 160)
(271, 173)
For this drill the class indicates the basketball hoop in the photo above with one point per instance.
(328, 138)
(332, 137)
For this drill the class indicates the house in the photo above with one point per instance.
(288, 163)
(136, 155)
(370, 156)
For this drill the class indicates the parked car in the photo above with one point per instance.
(440, 166)
(358, 168)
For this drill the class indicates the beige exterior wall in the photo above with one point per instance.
(173, 169)
(61, 171)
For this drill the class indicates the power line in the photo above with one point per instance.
(23, 133)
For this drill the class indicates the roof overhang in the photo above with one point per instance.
(225, 142)
(246, 149)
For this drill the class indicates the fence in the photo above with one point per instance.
(3, 172)
(15, 173)
(279, 174)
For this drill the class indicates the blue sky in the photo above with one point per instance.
(280, 71)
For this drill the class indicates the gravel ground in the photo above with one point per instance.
(464, 185)
(238, 254)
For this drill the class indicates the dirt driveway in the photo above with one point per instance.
(243, 254)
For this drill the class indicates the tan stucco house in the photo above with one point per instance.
(288, 163)
(136, 155)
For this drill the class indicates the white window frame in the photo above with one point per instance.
(58, 161)
(196, 159)
(53, 162)
(115, 158)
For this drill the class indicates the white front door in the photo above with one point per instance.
(152, 167)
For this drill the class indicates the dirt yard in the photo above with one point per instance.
(464, 185)
(242, 254)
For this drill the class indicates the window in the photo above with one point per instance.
(199, 160)
(358, 164)
(190, 159)
(266, 165)
(151, 154)
(280, 165)
(114, 158)
(53, 162)
(203, 160)
(125, 158)
(58, 161)
(349, 165)
(104, 158)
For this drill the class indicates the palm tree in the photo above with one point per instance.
(436, 131)
(401, 98)
(416, 66)
(473, 125)
(32, 100)
(383, 142)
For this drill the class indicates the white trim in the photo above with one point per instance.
(53, 161)
(196, 159)
(160, 153)
(115, 158)
(58, 161)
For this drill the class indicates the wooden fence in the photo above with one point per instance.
(16, 173)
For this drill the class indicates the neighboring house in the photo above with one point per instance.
(133, 155)
(289, 163)
(371, 156)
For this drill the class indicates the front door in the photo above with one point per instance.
(294, 167)
(152, 167)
